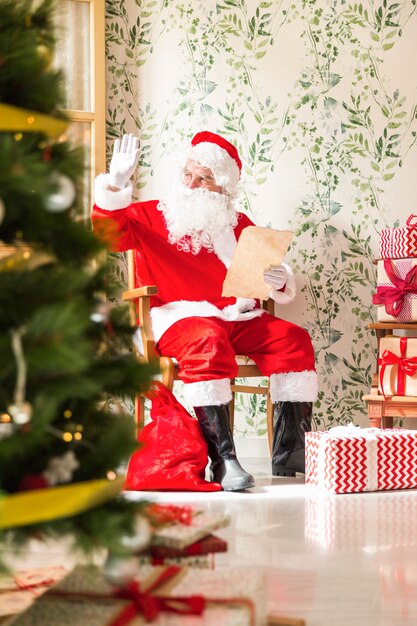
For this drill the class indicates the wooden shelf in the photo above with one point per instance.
(392, 326)
(381, 411)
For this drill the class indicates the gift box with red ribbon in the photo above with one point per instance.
(399, 243)
(19, 590)
(179, 534)
(397, 366)
(199, 562)
(350, 459)
(198, 554)
(396, 295)
(165, 596)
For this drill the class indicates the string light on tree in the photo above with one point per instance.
(6, 426)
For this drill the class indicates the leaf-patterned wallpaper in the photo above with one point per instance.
(320, 99)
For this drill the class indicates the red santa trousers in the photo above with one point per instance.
(205, 347)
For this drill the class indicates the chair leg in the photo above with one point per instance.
(269, 421)
(232, 409)
(140, 413)
(168, 371)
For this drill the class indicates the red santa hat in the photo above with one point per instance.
(218, 154)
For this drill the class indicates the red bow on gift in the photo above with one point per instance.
(393, 297)
(143, 602)
(168, 513)
(406, 366)
(148, 605)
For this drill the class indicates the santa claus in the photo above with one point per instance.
(184, 244)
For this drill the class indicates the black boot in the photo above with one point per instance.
(225, 468)
(292, 420)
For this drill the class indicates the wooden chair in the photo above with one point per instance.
(139, 301)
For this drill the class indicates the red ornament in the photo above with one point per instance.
(33, 481)
(46, 155)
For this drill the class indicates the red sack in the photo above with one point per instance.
(173, 455)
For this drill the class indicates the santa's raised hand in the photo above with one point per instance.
(124, 161)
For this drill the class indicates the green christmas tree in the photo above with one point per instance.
(63, 353)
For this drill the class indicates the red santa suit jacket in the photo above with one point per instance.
(188, 284)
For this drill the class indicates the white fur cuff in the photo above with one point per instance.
(208, 392)
(294, 386)
(110, 200)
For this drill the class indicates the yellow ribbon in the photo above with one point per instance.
(43, 505)
(16, 119)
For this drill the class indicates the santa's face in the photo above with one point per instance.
(196, 176)
(196, 210)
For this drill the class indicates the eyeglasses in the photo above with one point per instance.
(201, 181)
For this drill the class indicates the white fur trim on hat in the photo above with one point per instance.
(294, 386)
(208, 392)
(110, 200)
(288, 295)
(225, 169)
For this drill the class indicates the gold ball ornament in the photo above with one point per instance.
(21, 412)
(64, 195)
(45, 54)
(2, 210)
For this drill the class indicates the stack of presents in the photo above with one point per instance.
(396, 300)
(174, 583)
(349, 459)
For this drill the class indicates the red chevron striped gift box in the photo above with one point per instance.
(350, 459)
(399, 243)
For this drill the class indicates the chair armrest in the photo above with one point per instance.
(141, 296)
(139, 292)
(268, 306)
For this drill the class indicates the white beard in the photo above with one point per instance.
(197, 217)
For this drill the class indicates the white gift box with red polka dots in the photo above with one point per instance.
(350, 459)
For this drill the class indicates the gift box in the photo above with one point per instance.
(397, 366)
(198, 554)
(208, 545)
(19, 590)
(229, 597)
(350, 459)
(203, 561)
(396, 296)
(179, 535)
(399, 243)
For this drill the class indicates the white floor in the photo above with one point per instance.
(334, 560)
